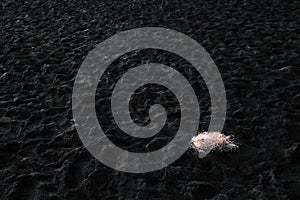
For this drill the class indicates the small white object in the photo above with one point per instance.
(208, 141)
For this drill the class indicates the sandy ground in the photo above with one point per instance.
(255, 45)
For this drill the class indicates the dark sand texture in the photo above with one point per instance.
(256, 46)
